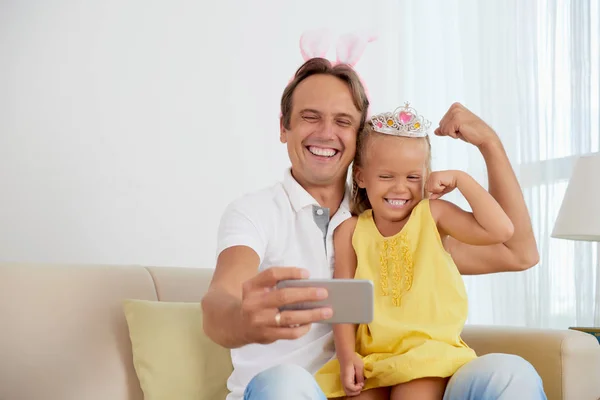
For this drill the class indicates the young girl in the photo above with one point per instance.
(394, 239)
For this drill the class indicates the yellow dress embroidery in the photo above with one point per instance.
(395, 255)
(420, 306)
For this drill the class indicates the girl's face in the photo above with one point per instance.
(393, 175)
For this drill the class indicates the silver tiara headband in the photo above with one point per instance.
(403, 121)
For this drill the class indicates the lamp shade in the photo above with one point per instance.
(579, 214)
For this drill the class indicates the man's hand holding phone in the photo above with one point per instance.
(262, 319)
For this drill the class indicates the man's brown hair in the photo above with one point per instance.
(316, 66)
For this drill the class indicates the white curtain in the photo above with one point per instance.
(530, 69)
(162, 72)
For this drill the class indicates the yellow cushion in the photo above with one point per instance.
(172, 356)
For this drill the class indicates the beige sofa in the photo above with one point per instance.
(64, 336)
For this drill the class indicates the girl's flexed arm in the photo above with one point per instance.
(486, 224)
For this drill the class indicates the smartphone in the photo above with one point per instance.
(350, 299)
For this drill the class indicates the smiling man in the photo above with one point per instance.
(286, 232)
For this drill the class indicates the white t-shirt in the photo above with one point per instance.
(285, 226)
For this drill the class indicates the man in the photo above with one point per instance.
(286, 232)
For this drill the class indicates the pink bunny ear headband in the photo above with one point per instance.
(349, 48)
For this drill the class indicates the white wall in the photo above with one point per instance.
(127, 126)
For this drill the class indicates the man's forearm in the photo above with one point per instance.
(221, 312)
(520, 251)
(505, 188)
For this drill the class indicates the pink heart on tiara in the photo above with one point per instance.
(379, 125)
(405, 117)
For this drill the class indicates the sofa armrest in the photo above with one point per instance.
(568, 361)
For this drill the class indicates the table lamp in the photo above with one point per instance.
(579, 214)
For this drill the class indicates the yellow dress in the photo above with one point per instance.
(420, 306)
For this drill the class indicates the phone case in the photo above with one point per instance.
(350, 299)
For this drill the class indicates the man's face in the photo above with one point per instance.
(321, 138)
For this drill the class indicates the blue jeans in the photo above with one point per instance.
(489, 377)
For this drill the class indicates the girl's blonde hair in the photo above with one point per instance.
(359, 201)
